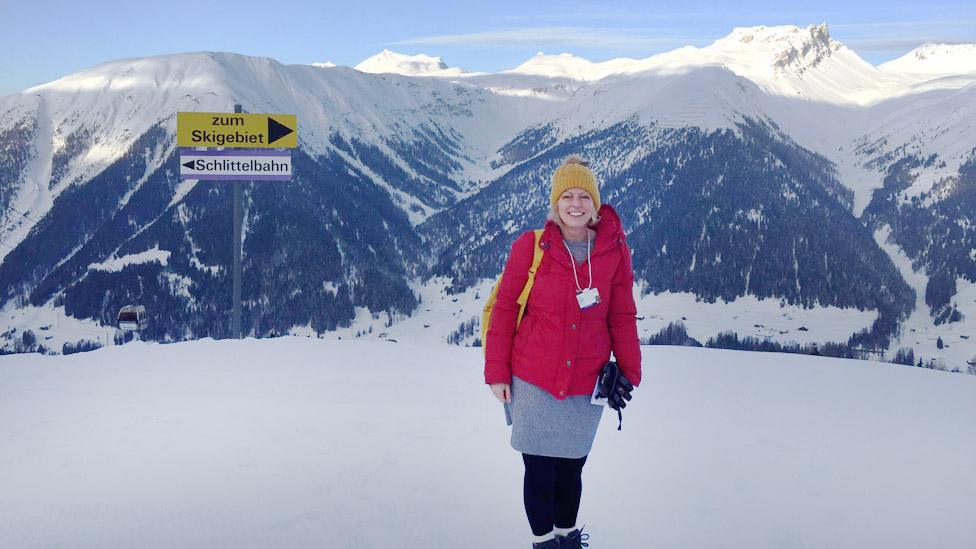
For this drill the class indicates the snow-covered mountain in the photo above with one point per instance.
(567, 65)
(763, 167)
(784, 60)
(934, 60)
(408, 65)
(805, 63)
(75, 127)
(90, 170)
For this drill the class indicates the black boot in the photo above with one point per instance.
(573, 540)
(548, 544)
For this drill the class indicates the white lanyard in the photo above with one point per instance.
(589, 265)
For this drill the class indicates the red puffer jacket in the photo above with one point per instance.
(558, 347)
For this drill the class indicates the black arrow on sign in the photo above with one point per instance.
(189, 164)
(276, 130)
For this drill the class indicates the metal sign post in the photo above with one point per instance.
(235, 319)
(205, 137)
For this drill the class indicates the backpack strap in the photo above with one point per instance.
(523, 298)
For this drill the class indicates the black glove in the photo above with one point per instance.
(616, 388)
(620, 394)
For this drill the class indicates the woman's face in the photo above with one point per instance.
(575, 208)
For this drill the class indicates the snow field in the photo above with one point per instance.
(300, 442)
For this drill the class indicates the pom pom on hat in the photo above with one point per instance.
(574, 174)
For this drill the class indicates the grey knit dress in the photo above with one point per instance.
(545, 426)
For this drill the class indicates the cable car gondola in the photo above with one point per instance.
(133, 318)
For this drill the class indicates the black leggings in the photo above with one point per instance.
(552, 490)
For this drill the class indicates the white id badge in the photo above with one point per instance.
(588, 298)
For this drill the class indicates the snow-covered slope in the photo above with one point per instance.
(85, 121)
(709, 97)
(296, 442)
(931, 120)
(918, 332)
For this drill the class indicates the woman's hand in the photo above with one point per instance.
(502, 391)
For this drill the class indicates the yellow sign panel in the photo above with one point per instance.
(238, 130)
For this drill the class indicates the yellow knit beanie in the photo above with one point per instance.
(573, 174)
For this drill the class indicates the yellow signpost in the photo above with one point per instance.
(237, 130)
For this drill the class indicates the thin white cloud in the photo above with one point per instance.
(538, 36)
(648, 13)
(905, 25)
(602, 13)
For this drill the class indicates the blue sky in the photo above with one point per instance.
(42, 40)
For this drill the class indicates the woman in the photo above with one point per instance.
(581, 307)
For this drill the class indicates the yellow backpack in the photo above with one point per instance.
(523, 297)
